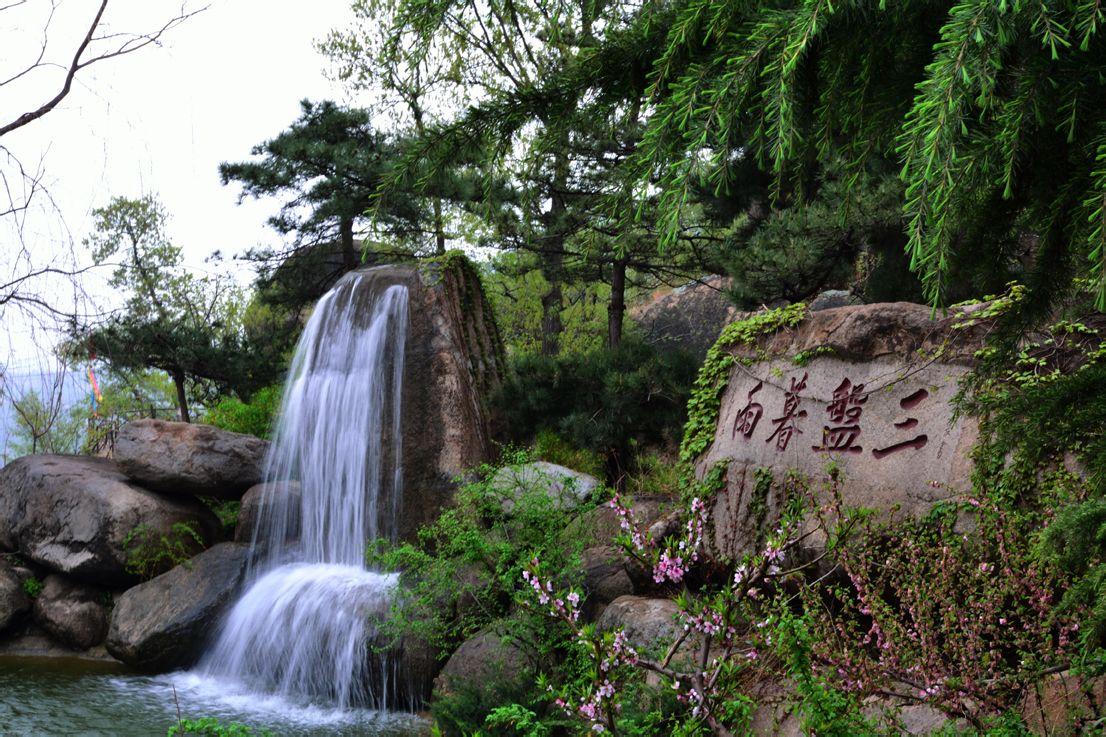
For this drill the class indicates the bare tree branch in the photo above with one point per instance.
(129, 44)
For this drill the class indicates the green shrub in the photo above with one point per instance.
(211, 727)
(551, 447)
(33, 586)
(255, 417)
(150, 553)
(607, 402)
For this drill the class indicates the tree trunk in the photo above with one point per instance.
(616, 309)
(182, 397)
(349, 254)
(553, 256)
(439, 228)
(551, 325)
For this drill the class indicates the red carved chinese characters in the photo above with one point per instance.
(785, 425)
(909, 423)
(749, 415)
(844, 411)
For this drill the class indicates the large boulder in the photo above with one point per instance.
(258, 502)
(566, 488)
(867, 388)
(14, 601)
(184, 458)
(687, 318)
(453, 361)
(605, 578)
(72, 612)
(164, 623)
(486, 663)
(649, 624)
(78, 515)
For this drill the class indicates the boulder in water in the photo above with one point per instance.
(73, 515)
(183, 458)
(165, 622)
(72, 612)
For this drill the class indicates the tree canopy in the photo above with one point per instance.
(989, 112)
(173, 321)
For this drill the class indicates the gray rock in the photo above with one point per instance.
(13, 601)
(831, 298)
(73, 515)
(870, 390)
(648, 623)
(185, 458)
(257, 502)
(651, 627)
(165, 622)
(454, 361)
(688, 318)
(72, 612)
(605, 578)
(601, 525)
(567, 488)
(485, 662)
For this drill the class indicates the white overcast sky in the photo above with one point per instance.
(161, 120)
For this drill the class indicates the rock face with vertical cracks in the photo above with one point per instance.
(72, 515)
(867, 389)
(454, 360)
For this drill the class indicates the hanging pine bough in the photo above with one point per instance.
(992, 111)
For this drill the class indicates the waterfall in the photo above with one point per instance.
(303, 628)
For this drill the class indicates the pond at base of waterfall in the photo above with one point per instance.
(57, 696)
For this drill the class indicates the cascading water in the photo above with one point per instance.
(303, 629)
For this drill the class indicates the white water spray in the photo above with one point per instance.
(303, 629)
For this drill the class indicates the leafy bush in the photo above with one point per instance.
(33, 586)
(150, 553)
(211, 727)
(465, 573)
(608, 402)
(253, 418)
(551, 447)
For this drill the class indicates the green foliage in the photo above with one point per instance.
(823, 709)
(610, 402)
(464, 575)
(44, 426)
(515, 288)
(151, 553)
(550, 447)
(1076, 541)
(519, 720)
(33, 586)
(840, 238)
(714, 375)
(187, 326)
(212, 727)
(465, 570)
(256, 417)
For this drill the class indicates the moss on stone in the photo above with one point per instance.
(714, 376)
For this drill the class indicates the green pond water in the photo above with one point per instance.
(40, 696)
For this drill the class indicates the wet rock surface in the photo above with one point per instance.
(166, 622)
